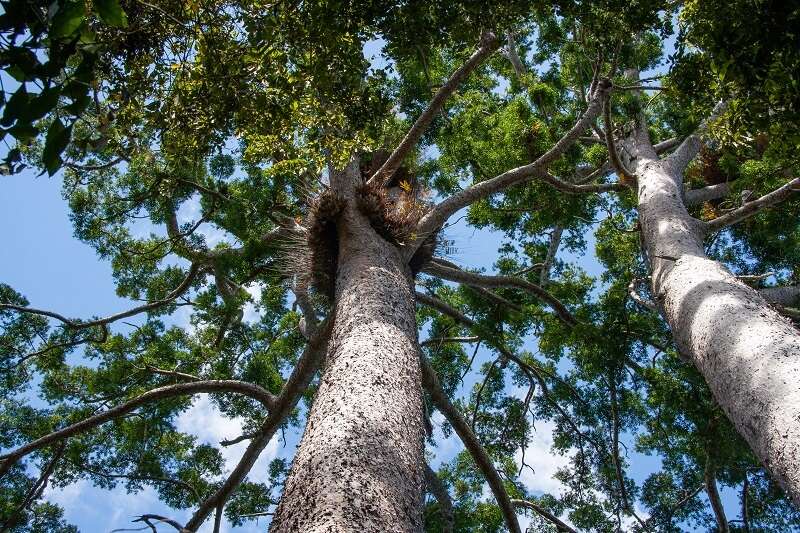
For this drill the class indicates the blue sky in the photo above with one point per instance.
(42, 260)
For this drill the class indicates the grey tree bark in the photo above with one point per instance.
(360, 464)
(747, 352)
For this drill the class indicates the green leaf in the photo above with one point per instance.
(42, 103)
(78, 105)
(111, 13)
(15, 106)
(68, 19)
(57, 139)
(23, 132)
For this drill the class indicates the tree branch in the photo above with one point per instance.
(624, 174)
(638, 298)
(449, 271)
(786, 296)
(439, 491)
(194, 270)
(283, 405)
(714, 499)
(471, 442)
(751, 208)
(437, 216)
(706, 194)
(544, 513)
(552, 250)
(488, 44)
(170, 391)
(690, 147)
(442, 340)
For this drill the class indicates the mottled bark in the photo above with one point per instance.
(748, 354)
(360, 464)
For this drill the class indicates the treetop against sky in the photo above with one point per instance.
(400, 266)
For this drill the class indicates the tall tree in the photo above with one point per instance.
(325, 185)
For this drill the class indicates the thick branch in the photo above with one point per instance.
(453, 273)
(488, 44)
(751, 208)
(283, 405)
(706, 194)
(638, 298)
(170, 391)
(471, 442)
(552, 250)
(690, 146)
(544, 513)
(512, 55)
(788, 296)
(613, 156)
(435, 218)
(439, 491)
(714, 499)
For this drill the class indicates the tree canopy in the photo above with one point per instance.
(241, 110)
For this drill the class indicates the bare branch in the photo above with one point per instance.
(170, 391)
(439, 491)
(169, 521)
(510, 53)
(552, 250)
(437, 216)
(283, 405)
(638, 298)
(751, 208)
(90, 168)
(544, 513)
(194, 270)
(171, 373)
(488, 44)
(571, 188)
(624, 174)
(714, 499)
(690, 146)
(787, 296)
(706, 194)
(471, 442)
(443, 340)
(449, 271)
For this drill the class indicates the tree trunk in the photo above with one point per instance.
(748, 353)
(360, 464)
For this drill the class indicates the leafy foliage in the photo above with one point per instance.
(189, 133)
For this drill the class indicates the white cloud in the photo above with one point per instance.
(209, 425)
(190, 212)
(540, 457)
(251, 314)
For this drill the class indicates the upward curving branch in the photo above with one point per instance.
(437, 216)
(751, 208)
(488, 44)
(170, 391)
(449, 271)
